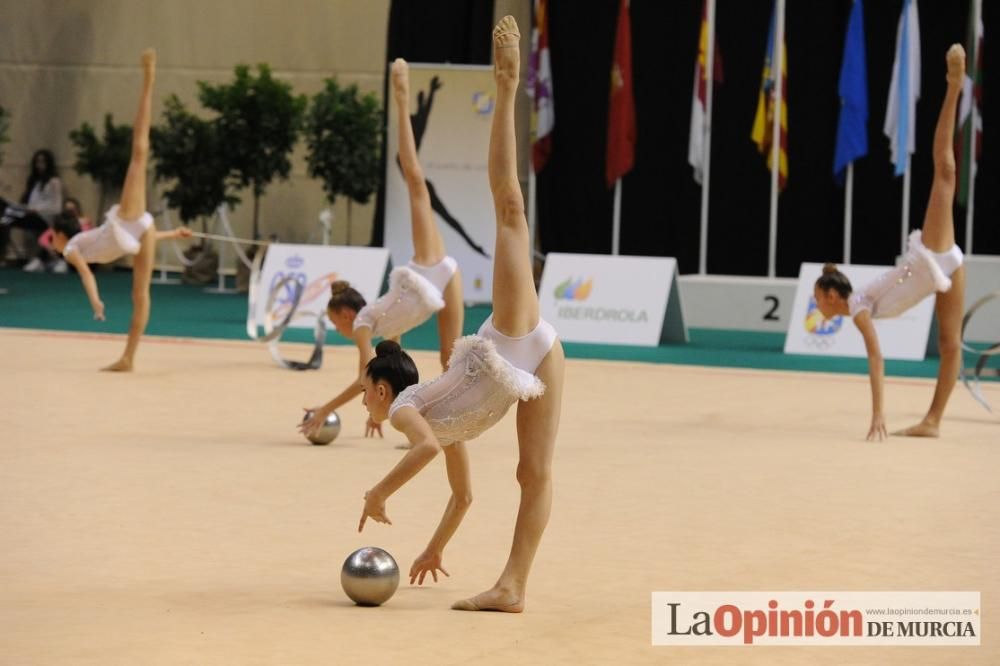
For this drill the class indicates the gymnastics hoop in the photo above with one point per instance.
(984, 354)
(273, 332)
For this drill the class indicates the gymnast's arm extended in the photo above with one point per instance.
(876, 373)
(457, 463)
(363, 340)
(174, 234)
(423, 450)
(89, 283)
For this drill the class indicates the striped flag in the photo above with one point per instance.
(621, 107)
(901, 111)
(543, 110)
(696, 144)
(969, 142)
(763, 122)
(852, 125)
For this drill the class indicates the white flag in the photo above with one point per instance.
(699, 97)
(696, 142)
(901, 112)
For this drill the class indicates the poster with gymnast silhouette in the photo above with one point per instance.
(451, 108)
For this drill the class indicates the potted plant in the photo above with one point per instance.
(258, 124)
(104, 159)
(343, 132)
(190, 155)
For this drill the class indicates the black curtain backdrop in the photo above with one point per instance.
(661, 201)
(442, 31)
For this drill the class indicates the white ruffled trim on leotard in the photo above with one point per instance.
(918, 251)
(516, 383)
(430, 296)
(386, 320)
(521, 384)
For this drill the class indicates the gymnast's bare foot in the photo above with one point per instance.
(956, 65)
(922, 429)
(400, 74)
(149, 61)
(121, 365)
(497, 599)
(506, 50)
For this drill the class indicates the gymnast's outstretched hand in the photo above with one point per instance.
(428, 562)
(311, 426)
(374, 509)
(174, 234)
(98, 307)
(877, 432)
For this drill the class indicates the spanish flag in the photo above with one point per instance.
(763, 122)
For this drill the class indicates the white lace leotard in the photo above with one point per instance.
(110, 241)
(921, 273)
(415, 293)
(487, 373)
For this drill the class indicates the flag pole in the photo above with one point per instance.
(616, 226)
(532, 205)
(977, 6)
(906, 204)
(776, 64)
(848, 211)
(970, 203)
(707, 139)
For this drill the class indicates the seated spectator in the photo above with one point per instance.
(41, 201)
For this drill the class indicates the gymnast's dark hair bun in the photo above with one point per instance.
(387, 348)
(832, 278)
(393, 366)
(67, 224)
(343, 295)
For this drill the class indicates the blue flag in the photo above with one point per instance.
(852, 126)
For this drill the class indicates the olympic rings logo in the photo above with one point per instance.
(820, 343)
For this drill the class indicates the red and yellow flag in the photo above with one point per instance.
(763, 122)
(621, 110)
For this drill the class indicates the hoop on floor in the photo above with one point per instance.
(273, 332)
(984, 354)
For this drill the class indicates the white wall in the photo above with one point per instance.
(63, 62)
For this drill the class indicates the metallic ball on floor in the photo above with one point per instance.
(370, 576)
(328, 432)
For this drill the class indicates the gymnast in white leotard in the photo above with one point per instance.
(932, 265)
(430, 283)
(127, 230)
(514, 358)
